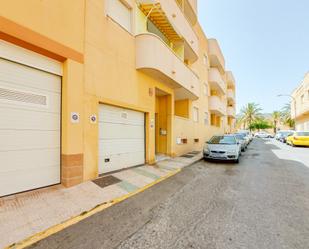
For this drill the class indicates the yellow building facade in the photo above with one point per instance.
(139, 81)
(300, 105)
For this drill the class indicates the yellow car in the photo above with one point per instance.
(299, 138)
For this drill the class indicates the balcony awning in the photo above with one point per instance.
(155, 13)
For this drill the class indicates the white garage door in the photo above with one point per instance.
(29, 126)
(121, 138)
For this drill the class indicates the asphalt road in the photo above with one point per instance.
(261, 203)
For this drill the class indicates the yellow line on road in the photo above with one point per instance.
(57, 228)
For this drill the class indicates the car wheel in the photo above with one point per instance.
(237, 160)
(292, 144)
(243, 150)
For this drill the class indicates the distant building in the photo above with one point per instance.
(300, 105)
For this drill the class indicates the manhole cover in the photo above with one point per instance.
(255, 154)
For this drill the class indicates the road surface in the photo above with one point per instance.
(260, 203)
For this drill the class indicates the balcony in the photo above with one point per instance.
(215, 55)
(230, 95)
(230, 80)
(168, 14)
(231, 112)
(189, 8)
(301, 109)
(216, 82)
(156, 59)
(216, 106)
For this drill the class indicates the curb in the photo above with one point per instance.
(74, 220)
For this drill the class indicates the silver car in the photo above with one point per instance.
(224, 147)
(242, 140)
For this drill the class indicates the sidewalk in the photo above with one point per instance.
(31, 216)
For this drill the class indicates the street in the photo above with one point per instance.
(260, 203)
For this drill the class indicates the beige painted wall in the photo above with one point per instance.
(186, 127)
(59, 20)
(109, 75)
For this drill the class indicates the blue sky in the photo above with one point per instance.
(265, 44)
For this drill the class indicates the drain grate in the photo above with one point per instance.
(187, 156)
(194, 152)
(106, 181)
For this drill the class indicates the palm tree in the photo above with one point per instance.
(249, 114)
(276, 116)
(286, 115)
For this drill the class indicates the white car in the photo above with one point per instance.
(247, 133)
(280, 135)
(242, 140)
(263, 134)
(224, 147)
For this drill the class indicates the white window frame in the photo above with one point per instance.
(205, 59)
(195, 114)
(206, 90)
(114, 17)
(206, 118)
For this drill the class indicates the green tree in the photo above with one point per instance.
(260, 124)
(249, 114)
(286, 115)
(276, 117)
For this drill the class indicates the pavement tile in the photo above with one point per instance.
(146, 173)
(134, 178)
(25, 214)
(127, 186)
(155, 170)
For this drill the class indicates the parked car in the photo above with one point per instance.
(243, 142)
(247, 133)
(263, 134)
(224, 147)
(298, 138)
(280, 134)
(284, 136)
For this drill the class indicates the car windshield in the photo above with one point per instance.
(240, 136)
(286, 133)
(222, 140)
(303, 134)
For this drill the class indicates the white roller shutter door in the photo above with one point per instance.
(30, 104)
(121, 138)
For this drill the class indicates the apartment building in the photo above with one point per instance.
(300, 105)
(90, 87)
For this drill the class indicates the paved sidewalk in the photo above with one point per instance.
(23, 215)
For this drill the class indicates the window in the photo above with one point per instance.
(206, 118)
(152, 28)
(120, 13)
(205, 59)
(205, 89)
(308, 94)
(195, 114)
(302, 98)
(213, 119)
